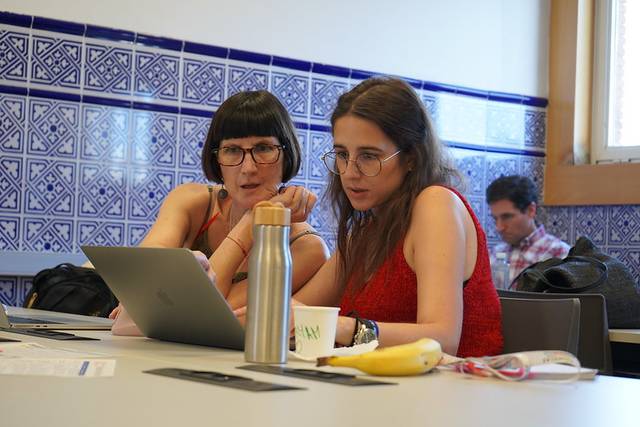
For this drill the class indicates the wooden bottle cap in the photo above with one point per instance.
(268, 213)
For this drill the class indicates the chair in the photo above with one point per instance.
(594, 349)
(537, 324)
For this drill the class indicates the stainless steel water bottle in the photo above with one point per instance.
(269, 293)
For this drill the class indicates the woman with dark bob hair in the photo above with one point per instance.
(411, 257)
(250, 151)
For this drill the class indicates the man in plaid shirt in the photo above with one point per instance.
(513, 203)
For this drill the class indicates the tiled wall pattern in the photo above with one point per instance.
(98, 125)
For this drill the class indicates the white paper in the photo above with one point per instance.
(341, 351)
(551, 365)
(59, 367)
(25, 358)
(554, 371)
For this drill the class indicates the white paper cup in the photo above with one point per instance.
(315, 329)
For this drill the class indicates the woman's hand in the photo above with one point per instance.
(299, 200)
(241, 314)
(115, 312)
(204, 263)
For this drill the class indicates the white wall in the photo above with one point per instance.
(485, 44)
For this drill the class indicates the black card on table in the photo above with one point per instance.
(50, 333)
(315, 375)
(221, 379)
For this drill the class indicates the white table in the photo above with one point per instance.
(132, 398)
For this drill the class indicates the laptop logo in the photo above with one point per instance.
(164, 297)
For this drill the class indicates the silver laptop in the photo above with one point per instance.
(29, 318)
(168, 295)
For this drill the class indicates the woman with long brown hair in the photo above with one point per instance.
(411, 258)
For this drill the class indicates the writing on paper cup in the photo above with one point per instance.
(315, 330)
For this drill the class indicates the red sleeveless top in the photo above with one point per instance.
(391, 295)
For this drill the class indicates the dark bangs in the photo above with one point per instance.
(251, 118)
(246, 114)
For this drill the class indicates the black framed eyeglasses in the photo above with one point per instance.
(368, 164)
(262, 154)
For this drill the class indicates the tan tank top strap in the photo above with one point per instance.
(302, 234)
(206, 216)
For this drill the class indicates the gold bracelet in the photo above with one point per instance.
(244, 252)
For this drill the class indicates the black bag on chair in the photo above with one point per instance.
(586, 269)
(70, 289)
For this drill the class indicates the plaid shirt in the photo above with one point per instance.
(537, 246)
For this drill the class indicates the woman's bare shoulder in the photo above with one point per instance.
(195, 188)
(193, 193)
(301, 229)
(298, 227)
(437, 207)
(308, 245)
(190, 195)
(437, 196)
(308, 236)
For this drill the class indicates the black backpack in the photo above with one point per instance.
(71, 289)
(588, 270)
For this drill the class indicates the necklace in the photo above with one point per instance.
(232, 218)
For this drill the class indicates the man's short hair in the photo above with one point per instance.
(520, 190)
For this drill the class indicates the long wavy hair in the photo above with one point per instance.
(365, 240)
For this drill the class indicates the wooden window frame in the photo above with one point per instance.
(570, 179)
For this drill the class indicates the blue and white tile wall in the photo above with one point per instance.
(97, 125)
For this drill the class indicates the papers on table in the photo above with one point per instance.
(550, 365)
(340, 351)
(24, 358)
(555, 371)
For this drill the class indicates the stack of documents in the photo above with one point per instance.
(25, 358)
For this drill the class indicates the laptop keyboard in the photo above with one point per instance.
(28, 320)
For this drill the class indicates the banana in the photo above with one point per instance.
(406, 359)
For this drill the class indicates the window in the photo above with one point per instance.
(616, 85)
(570, 178)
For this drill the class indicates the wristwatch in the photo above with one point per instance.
(365, 331)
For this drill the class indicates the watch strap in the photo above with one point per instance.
(363, 328)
